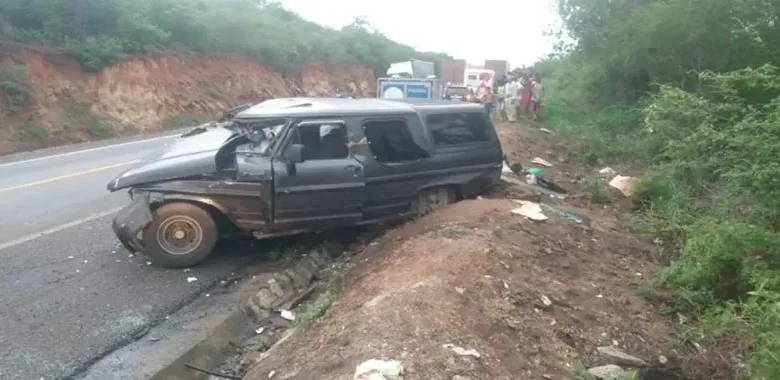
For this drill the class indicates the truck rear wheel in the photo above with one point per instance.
(181, 235)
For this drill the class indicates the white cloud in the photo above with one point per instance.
(471, 30)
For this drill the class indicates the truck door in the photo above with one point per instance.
(325, 188)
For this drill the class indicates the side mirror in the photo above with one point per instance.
(294, 153)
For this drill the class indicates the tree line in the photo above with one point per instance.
(689, 90)
(99, 33)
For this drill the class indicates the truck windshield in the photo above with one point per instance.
(263, 134)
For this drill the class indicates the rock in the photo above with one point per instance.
(299, 280)
(459, 377)
(614, 355)
(608, 372)
(265, 299)
(275, 288)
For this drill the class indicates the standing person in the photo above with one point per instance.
(537, 94)
(526, 95)
(489, 99)
(510, 100)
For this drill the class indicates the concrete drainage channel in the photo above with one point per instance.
(223, 332)
(255, 327)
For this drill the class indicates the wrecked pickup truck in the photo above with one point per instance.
(287, 166)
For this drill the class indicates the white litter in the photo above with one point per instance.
(541, 161)
(376, 369)
(506, 170)
(288, 315)
(623, 183)
(70, 257)
(191, 279)
(607, 171)
(271, 374)
(462, 351)
(260, 330)
(530, 210)
(148, 263)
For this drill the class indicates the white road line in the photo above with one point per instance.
(87, 150)
(59, 228)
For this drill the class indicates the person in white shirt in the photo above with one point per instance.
(510, 100)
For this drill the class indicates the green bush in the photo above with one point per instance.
(14, 87)
(689, 89)
(99, 32)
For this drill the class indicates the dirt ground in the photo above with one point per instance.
(476, 276)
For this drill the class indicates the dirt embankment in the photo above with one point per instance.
(47, 98)
(553, 299)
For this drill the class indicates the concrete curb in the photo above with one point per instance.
(276, 289)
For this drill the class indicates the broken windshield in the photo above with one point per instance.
(263, 134)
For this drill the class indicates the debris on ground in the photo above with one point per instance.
(541, 161)
(530, 210)
(462, 351)
(376, 369)
(191, 279)
(288, 315)
(608, 172)
(619, 357)
(608, 372)
(623, 183)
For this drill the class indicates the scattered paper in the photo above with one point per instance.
(623, 183)
(608, 171)
(530, 210)
(462, 351)
(545, 130)
(288, 315)
(271, 374)
(541, 161)
(260, 330)
(376, 369)
(191, 279)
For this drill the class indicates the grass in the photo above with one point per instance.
(709, 196)
(597, 191)
(14, 89)
(320, 306)
(78, 116)
(184, 120)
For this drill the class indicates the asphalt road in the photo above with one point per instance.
(68, 293)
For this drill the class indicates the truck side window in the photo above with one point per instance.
(391, 141)
(322, 142)
(457, 128)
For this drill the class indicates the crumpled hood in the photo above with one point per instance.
(184, 157)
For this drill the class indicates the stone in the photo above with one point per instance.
(318, 257)
(612, 354)
(298, 279)
(307, 268)
(459, 377)
(275, 288)
(608, 372)
(257, 313)
(265, 299)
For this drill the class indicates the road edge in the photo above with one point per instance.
(275, 291)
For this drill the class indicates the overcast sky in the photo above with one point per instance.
(515, 27)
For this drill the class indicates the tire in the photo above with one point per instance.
(180, 235)
(430, 200)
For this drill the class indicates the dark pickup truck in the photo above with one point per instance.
(292, 165)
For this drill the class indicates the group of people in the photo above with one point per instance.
(521, 94)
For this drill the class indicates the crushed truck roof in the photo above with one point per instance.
(301, 107)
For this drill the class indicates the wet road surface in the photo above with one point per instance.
(68, 293)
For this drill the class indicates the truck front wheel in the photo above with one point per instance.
(180, 235)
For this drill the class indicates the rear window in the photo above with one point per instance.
(458, 128)
(460, 91)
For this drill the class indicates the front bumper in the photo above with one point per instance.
(131, 220)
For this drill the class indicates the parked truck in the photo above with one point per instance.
(499, 66)
(413, 79)
(452, 71)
